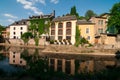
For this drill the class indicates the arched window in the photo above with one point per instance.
(53, 25)
(68, 31)
(60, 25)
(52, 32)
(60, 32)
(68, 24)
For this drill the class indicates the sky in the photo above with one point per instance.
(14, 10)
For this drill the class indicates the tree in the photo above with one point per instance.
(73, 11)
(89, 14)
(26, 36)
(1, 28)
(114, 19)
(77, 37)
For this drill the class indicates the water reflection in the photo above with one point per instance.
(70, 64)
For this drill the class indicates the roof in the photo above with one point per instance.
(51, 15)
(65, 18)
(84, 22)
(104, 14)
(20, 22)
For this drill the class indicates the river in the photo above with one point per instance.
(33, 61)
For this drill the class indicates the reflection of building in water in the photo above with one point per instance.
(70, 66)
(67, 66)
(86, 66)
(15, 59)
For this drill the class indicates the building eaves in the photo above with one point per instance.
(84, 22)
(65, 18)
(20, 22)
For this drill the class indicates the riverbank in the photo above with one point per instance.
(69, 49)
(27, 46)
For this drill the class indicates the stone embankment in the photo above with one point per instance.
(70, 49)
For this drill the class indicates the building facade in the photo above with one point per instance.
(87, 30)
(100, 23)
(63, 29)
(18, 28)
(6, 32)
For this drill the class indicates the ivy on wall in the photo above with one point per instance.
(39, 26)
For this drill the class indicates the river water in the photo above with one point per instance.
(14, 59)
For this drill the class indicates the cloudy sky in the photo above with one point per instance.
(13, 10)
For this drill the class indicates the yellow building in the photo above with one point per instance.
(63, 29)
(87, 30)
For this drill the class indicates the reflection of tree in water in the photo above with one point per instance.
(35, 65)
(117, 55)
(2, 57)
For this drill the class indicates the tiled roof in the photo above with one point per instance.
(21, 22)
(65, 18)
(52, 15)
(84, 22)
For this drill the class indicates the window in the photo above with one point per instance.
(87, 30)
(21, 33)
(13, 61)
(14, 37)
(88, 38)
(100, 22)
(13, 52)
(100, 30)
(68, 31)
(52, 61)
(59, 65)
(68, 37)
(52, 32)
(60, 25)
(20, 62)
(14, 28)
(13, 56)
(67, 67)
(14, 33)
(68, 24)
(21, 28)
(59, 37)
(60, 32)
(53, 25)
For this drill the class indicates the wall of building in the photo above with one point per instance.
(100, 24)
(15, 59)
(91, 34)
(15, 31)
(73, 30)
(107, 40)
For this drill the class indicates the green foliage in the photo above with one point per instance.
(111, 30)
(51, 41)
(83, 41)
(2, 57)
(36, 41)
(74, 12)
(77, 37)
(25, 37)
(37, 66)
(39, 25)
(1, 28)
(114, 19)
(89, 14)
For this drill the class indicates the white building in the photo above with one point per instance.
(63, 29)
(18, 28)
